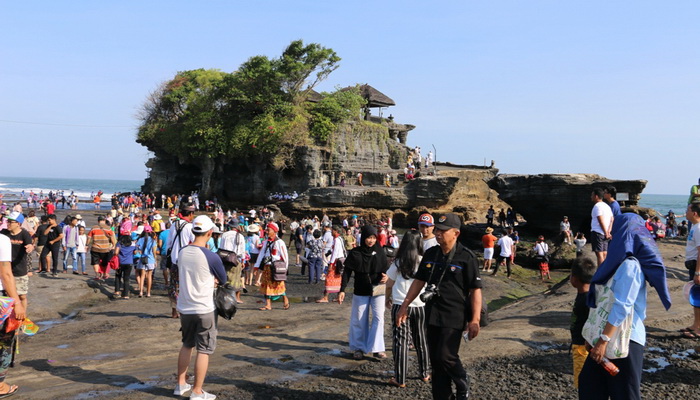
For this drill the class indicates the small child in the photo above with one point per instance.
(541, 250)
(581, 274)
(81, 250)
(580, 243)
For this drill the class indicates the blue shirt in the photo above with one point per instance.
(630, 293)
(126, 254)
(147, 248)
(615, 207)
(164, 239)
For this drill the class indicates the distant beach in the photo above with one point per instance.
(11, 187)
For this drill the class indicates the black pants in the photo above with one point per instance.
(595, 383)
(498, 262)
(53, 249)
(121, 279)
(443, 345)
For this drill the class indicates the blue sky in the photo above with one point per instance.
(600, 87)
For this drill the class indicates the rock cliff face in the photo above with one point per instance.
(544, 199)
(357, 147)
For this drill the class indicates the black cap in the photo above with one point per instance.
(448, 221)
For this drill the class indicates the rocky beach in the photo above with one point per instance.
(91, 346)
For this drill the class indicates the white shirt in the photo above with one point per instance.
(82, 243)
(338, 249)
(541, 248)
(428, 243)
(506, 244)
(5, 253)
(691, 248)
(601, 209)
(401, 286)
(278, 252)
(186, 237)
(233, 241)
(196, 281)
(327, 240)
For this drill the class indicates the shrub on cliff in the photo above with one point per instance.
(258, 110)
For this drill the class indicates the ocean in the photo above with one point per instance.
(662, 203)
(12, 187)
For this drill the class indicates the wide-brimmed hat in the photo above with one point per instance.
(254, 228)
(489, 230)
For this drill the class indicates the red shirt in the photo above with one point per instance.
(50, 208)
(488, 240)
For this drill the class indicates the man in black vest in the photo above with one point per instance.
(453, 306)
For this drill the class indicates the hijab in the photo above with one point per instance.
(366, 259)
(631, 238)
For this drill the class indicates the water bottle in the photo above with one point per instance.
(609, 366)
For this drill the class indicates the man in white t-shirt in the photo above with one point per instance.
(199, 271)
(426, 226)
(7, 283)
(507, 249)
(692, 214)
(601, 225)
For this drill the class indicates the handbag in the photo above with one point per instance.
(7, 306)
(619, 344)
(229, 257)
(279, 271)
(379, 290)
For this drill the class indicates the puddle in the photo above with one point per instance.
(662, 362)
(138, 386)
(101, 356)
(53, 322)
(62, 346)
(286, 359)
(334, 352)
(546, 346)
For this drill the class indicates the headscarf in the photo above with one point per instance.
(365, 259)
(273, 226)
(630, 237)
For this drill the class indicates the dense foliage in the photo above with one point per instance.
(260, 109)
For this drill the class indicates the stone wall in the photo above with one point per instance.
(544, 199)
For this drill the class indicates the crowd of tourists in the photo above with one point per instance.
(428, 279)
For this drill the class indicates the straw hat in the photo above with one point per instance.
(489, 230)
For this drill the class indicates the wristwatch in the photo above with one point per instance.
(604, 338)
(697, 273)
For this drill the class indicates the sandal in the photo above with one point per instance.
(691, 334)
(11, 389)
(381, 355)
(321, 301)
(358, 355)
(394, 382)
(426, 378)
(286, 306)
(264, 309)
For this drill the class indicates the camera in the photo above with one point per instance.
(430, 292)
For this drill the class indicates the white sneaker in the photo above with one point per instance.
(203, 396)
(182, 389)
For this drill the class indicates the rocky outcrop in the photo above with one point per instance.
(544, 199)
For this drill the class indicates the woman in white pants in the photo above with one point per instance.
(369, 264)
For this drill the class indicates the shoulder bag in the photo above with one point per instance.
(598, 318)
(278, 269)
